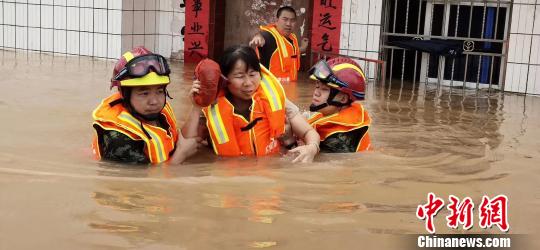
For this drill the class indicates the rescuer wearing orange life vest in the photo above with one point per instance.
(337, 115)
(249, 115)
(136, 124)
(278, 46)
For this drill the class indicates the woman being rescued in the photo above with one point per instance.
(251, 111)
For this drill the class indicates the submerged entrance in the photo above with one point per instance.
(243, 18)
(477, 31)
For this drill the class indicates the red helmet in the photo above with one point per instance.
(350, 77)
(140, 67)
(347, 70)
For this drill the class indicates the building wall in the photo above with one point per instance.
(156, 24)
(523, 68)
(105, 28)
(360, 29)
(98, 28)
(62, 26)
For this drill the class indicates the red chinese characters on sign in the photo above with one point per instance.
(460, 213)
(326, 25)
(196, 30)
(493, 212)
(429, 210)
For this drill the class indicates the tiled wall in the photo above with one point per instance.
(523, 68)
(99, 28)
(360, 29)
(62, 26)
(105, 28)
(156, 24)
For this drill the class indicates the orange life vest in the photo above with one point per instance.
(348, 119)
(159, 143)
(285, 60)
(267, 112)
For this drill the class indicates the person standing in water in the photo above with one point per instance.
(248, 118)
(278, 46)
(337, 114)
(136, 124)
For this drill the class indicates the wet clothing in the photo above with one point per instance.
(345, 131)
(116, 146)
(234, 135)
(122, 137)
(288, 139)
(280, 54)
(346, 142)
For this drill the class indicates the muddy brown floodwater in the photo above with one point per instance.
(53, 195)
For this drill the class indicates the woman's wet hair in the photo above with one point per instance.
(239, 52)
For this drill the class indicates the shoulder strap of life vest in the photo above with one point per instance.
(269, 97)
(220, 120)
(346, 120)
(285, 49)
(111, 115)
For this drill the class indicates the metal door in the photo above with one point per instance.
(481, 26)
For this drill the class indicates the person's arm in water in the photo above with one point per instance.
(302, 129)
(191, 127)
(189, 139)
(185, 147)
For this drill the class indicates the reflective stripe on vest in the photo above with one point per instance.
(268, 103)
(280, 41)
(161, 142)
(285, 50)
(348, 119)
(158, 146)
(217, 125)
(270, 88)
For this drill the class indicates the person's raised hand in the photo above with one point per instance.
(195, 88)
(257, 41)
(304, 44)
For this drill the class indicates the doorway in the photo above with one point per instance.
(243, 18)
(480, 28)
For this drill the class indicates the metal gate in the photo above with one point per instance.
(480, 28)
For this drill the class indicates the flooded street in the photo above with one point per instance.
(54, 195)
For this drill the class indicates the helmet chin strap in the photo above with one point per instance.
(167, 94)
(315, 108)
(331, 96)
(149, 117)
